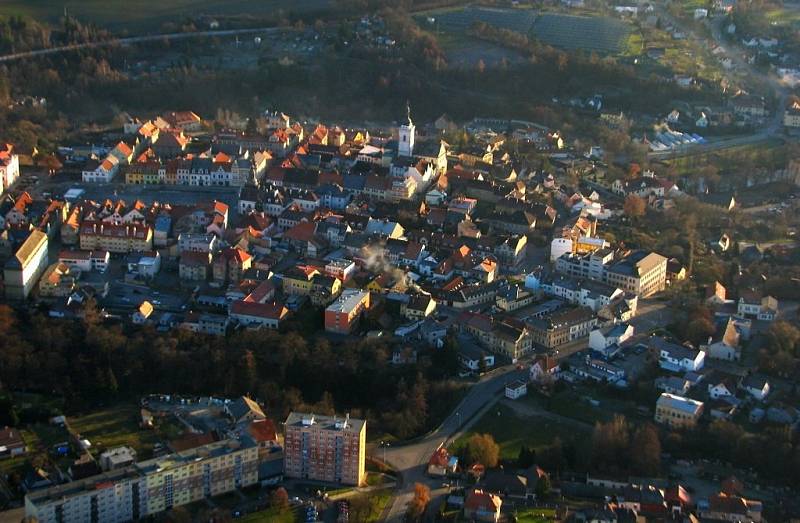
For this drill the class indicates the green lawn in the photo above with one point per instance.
(374, 478)
(113, 427)
(147, 17)
(536, 515)
(268, 516)
(571, 405)
(511, 432)
(634, 44)
(373, 505)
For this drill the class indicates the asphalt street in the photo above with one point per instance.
(411, 460)
(740, 65)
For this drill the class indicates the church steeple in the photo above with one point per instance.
(405, 146)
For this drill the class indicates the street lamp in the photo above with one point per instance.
(384, 444)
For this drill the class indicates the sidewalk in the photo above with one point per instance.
(361, 490)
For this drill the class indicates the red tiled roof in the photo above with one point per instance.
(303, 232)
(124, 148)
(263, 430)
(261, 292)
(276, 174)
(6, 150)
(270, 311)
(439, 458)
(93, 228)
(330, 177)
(194, 259)
(480, 500)
(180, 118)
(237, 254)
(191, 441)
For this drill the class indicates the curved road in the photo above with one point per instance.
(411, 460)
(771, 128)
(133, 40)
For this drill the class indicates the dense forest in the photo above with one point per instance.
(90, 363)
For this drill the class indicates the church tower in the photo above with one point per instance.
(405, 145)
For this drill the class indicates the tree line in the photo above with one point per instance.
(90, 363)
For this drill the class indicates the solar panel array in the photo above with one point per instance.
(519, 20)
(581, 32)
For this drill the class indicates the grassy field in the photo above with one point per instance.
(113, 427)
(511, 431)
(769, 153)
(376, 502)
(634, 44)
(141, 16)
(268, 516)
(536, 515)
(571, 405)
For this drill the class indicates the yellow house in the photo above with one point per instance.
(149, 173)
(299, 280)
(170, 177)
(418, 307)
(58, 281)
(134, 177)
(379, 284)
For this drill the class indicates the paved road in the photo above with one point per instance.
(134, 40)
(740, 64)
(781, 91)
(410, 460)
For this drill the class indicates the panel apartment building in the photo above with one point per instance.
(325, 448)
(149, 487)
(641, 273)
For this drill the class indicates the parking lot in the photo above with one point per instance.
(42, 186)
(125, 296)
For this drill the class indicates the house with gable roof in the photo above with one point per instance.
(482, 506)
(244, 409)
(752, 303)
(677, 358)
(442, 463)
(230, 264)
(725, 344)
